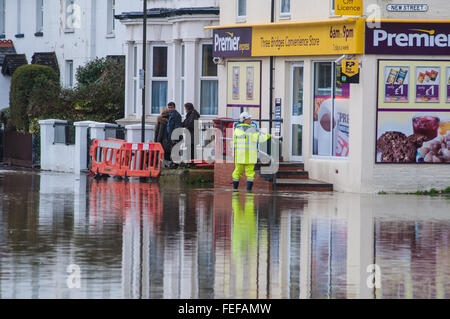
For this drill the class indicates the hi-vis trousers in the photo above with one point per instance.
(249, 172)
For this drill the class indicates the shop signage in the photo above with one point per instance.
(350, 71)
(421, 38)
(348, 7)
(407, 7)
(323, 38)
(232, 42)
(417, 130)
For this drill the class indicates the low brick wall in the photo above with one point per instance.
(222, 178)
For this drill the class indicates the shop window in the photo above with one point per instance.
(285, 8)
(39, 15)
(330, 116)
(111, 22)
(159, 78)
(208, 83)
(241, 10)
(2, 18)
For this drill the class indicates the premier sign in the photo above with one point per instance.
(232, 42)
(409, 38)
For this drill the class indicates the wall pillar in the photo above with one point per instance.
(81, 129)
(47, 139)
(134, 133)
(191, 73)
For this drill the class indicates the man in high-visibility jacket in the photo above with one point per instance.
(246, 139)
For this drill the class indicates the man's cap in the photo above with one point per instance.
(244, 116)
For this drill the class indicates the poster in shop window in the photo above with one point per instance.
(447, 84)
(236, 71)
(396, 87)
(428, 84)
(250, 82)
(415, 131)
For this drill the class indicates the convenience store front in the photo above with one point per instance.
(345, 132)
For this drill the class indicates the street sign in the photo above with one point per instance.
(407, 7)
(350, 71)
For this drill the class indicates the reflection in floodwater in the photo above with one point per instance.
(150, 240)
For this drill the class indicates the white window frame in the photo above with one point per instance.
(68, 29)
(2, 17)
(285, 15)
(69, 74)
(39, 16)
(332, 14)
(205, 78)
(111, 23)
(19, 16)
(135, 78)
(241, 18)
(156, 78)
(182, 77)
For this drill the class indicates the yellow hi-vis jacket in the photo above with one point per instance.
(246, 139)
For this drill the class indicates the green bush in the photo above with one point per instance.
(100, 92)
(36, 94)
(34, 91)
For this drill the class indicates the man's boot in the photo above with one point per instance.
(249, 186)
(235, 185)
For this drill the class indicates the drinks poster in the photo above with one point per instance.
(249, 82)
(447, 84)
(415, 131)
(427, 84)
(236, 71)
(396, 84)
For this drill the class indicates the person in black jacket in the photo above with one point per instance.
(191, 116)
(174, 121)
(161, 135)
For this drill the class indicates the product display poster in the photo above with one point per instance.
(244, 83)
(427, 84)
(415, 131)
(447, 84)
(250, 82)
(236, 72)
(396, 84)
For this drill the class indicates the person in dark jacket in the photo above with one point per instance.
(191, 116)
(161, 135)
(174, 121)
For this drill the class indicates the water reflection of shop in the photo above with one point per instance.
(167, 249)
(412, 248)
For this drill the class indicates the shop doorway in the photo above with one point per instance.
(296, 110)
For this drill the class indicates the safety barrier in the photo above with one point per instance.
(119, 158)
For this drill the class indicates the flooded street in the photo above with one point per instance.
(165, 240)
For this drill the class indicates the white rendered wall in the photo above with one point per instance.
(5, 84)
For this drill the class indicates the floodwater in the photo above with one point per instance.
(68, 236)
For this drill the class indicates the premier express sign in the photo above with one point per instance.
(291, 39)
(232, 42)
(408, 38)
